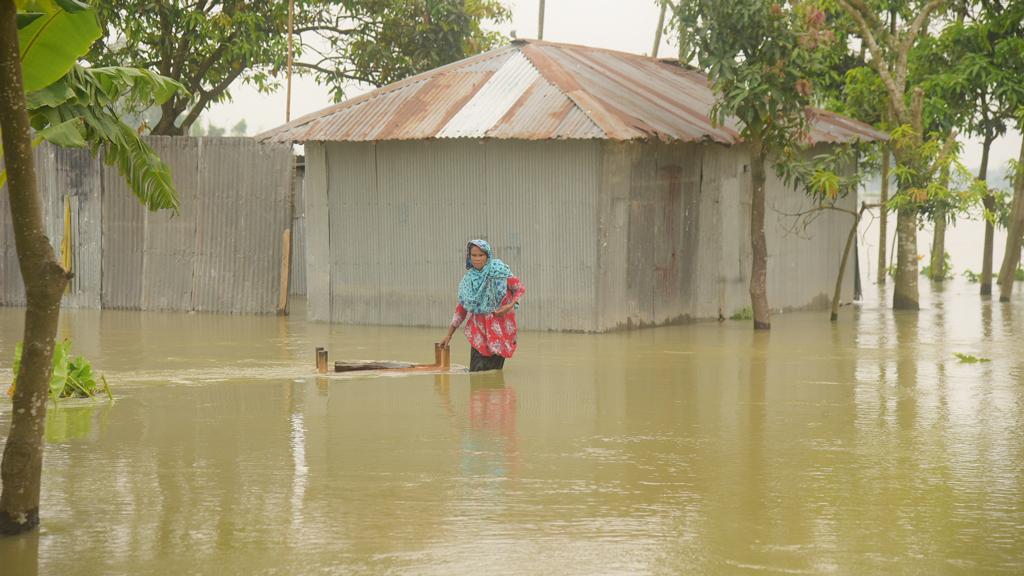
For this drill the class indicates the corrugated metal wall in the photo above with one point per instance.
(603, 234)
(221, 253)
(675, 229)
(399, 214)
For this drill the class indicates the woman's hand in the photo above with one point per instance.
(502, 310)
(448, 338)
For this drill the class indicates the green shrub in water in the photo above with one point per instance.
(947, 266)
(968, 359)
(971, 276)
(72, 377)
(744, 313)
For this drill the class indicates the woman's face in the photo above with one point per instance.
(477, 257)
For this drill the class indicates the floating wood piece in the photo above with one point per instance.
(353, 366)
(442, 361)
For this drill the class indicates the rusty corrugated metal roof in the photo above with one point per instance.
(535, 90)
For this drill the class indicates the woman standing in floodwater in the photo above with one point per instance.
(489, 295)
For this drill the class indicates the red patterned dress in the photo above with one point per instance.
(489, 334)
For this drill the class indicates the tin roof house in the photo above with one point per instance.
(598, 176)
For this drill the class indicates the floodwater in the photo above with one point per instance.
(863, 447)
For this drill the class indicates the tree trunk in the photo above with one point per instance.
(938, 263)
(168, 114)
(989, 202)
(905, 296)
(883, 221)
(842, 264)
(44, 283)
(1015, 234)
(758, 244)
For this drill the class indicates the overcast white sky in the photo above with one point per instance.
(626, 25)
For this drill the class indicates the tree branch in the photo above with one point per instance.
(200, 73)
(947, 150)
(207, 96)
(336, 30)
(877, 58)
(910, 36)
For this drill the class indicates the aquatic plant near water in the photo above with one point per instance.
(972, 276)
(744, 313)
(947, 268)
(72, 377)
(968, 359)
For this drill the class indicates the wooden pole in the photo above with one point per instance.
(286, 259)
(883, 221)
(540, 22)
(842, 263)
(291, 40)
(657, 33)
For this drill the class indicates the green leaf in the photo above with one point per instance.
(51, 44)
(53, 95)
(72, 5)
(23, 19)
(60, 369)
(69, 133)
(147, 175)
(94, 97)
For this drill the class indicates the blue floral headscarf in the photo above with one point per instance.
(481, 291)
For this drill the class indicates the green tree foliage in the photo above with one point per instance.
(888, 31)
(73, 106)
(52, 35)
(209, 45)
(762, 58)
(83, 109)
(971, 78)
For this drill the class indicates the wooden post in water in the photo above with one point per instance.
(286, 266)
(321, 360)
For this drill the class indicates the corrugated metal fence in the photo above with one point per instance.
(221, 253)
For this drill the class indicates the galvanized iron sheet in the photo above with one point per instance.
(221, 253)
(492, 100)
(170, 240)
(297, 282)
(242, 212)
(122, 243)
(675, 241)
(401, 213)
(500, 95)
(318, 234)
(78, 175)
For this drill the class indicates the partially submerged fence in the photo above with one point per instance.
(221, 253)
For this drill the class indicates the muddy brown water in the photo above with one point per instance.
(863, 447)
